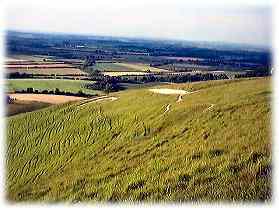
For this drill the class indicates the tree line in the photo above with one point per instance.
(113, 84)
(253, 74)
(57, 91)
(106, 84)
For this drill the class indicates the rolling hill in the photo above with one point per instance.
(211, 145)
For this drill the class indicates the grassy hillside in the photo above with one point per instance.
(130, 149)
(49, 84)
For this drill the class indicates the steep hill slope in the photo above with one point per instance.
(213, 144)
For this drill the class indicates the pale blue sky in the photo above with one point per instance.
(246, 21)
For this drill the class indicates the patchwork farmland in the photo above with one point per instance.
(37, 65)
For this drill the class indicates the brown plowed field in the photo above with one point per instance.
(46, 98)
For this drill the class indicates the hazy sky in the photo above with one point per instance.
(195, 20)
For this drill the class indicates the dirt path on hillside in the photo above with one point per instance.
(167, 108)
(179, 99)
(209, 108)
(97, 99)
(46, 98)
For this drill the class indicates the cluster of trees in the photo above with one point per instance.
(180, 78)
(89, 61)
(54, 92)
(107, 84)
(253, 74)
(112, 84)
(176, 78)
(19, 75)
(161, 63)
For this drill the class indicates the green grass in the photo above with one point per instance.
(49, 84)
(130, 67)
(130, 150)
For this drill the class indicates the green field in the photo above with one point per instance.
(129, 67)
(49, 84)
(130, 150)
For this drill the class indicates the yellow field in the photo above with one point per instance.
(47, 71)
